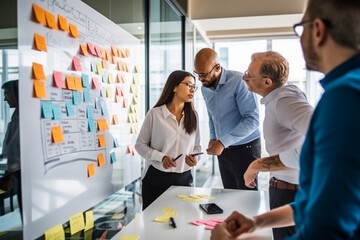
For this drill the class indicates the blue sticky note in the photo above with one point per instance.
(86, 93)
(56, 111)
(103, 109)
(105, 77)
(116, 143)
(93, 67)
(89, 112)
(112, 157)
(76, 97)
(91, 125)
(69, 108)
(46, 109)
(85, 80)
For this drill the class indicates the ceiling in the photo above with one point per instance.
(230, 19)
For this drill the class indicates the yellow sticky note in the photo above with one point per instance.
(63, 23)
(117, 216)
(102, 142)
(89, 220)
(38, 71)
(108, 92)
(77, 221)
(99, 68)
(130, 237)
(39, 89)
(134, 88)
(101, 159)
(136, 79)
(50, 20)
(39, 13)
(57, 135)
(55, 233)
(40, 42)
(110, 78)
(74, 31)
(91, 172)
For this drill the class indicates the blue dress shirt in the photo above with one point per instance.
(233, 110)
(327, 205)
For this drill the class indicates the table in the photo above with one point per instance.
(247, 202)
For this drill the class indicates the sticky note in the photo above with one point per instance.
(89, 220)
(91, 48)
(104, 109)
(130, 237)
(95, 83)
(115, 120)
(116, 143)
(89, 112)
(77, 221)
(91, 125)
(76, 97)
(74, 31)
(91, 172)
(86, 94)
(118, 99)
(102, 142)
(78, 84)
(102, 124)
(56, 108)
(38, 71)
(104, 77)
(108, 55)
(120, 66)
(58, 82)
(57, 135)
(136, 79)
(39, 89)
(46, 109)
(135, 100)
(99, 68)
(137, 68)
(50, 20)
(108, 92)
(40, 42)
(39, 14)
(70, 82)
(117, 216)
(88, 234)
(76, 64)
(101, 159)
(85, 80)
(126, 103)
(63, 23)
(70, 110)
(114, 51)
(133, 88)
(122, 53)
(113, 60)
(83, 50)
(112, 157)
(98, 51)
(55, 233)
(127, 52)
(104, 63)
(110, 78)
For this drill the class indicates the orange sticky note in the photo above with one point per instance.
(102, 142)
(58, 82)
(40, 42)
(83, 50)
(127, 52)
(39, 13)
(114, 51)
(76, 64)
(126, 103)
(78, 84)
(122, 53)
(57, 135)
(104, 64)
(91, 169)
(115, 119)
(51, 20)
(113, 60)
(73, 30)
(63, 23)
(101, 159)
(118, 99)
(39, 89)
(108, 55)
(70, 83)
(120, 65)
(38, 71)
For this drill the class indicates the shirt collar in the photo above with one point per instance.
(265, 100)
(348, 65)
(166, 112)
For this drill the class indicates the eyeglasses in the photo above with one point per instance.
(190, 86)
(204, 75)
(299, 27)
(246, 76)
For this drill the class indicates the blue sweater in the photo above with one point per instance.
(328, 204)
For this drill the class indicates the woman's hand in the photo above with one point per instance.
(168, 162)
(190, 160)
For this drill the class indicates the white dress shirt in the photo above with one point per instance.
(161, 135)
(287, 117)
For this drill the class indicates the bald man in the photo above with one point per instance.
(233, 118)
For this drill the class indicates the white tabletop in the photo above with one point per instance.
(247, 202)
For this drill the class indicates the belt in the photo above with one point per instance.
(278, 184)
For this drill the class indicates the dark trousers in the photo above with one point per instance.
(234, 161)
(156, 182)
(278, 198)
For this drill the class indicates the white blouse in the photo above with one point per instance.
(161, 135)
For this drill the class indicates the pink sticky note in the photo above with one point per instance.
(96, 83)
(197, 223)
(76, 64)
(91, 48)
(58, 82)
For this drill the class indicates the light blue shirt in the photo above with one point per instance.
(233, 110)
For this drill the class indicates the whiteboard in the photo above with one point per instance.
(62, 174)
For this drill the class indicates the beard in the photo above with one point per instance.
(312, 59)
(211, 83)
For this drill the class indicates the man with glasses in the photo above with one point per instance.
(233, 118)
(287, 116)
(327, 206)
